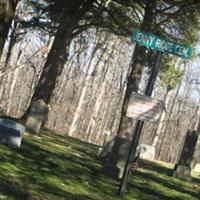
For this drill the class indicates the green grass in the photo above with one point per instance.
(53, 167)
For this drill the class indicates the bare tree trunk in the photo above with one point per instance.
(197, 125)
(196, 115)
(11, 90)
(110, 104)
(7, 10)
(72, 14)
(94, 122)
(168, 120)
(126, 123)
(90, 70)
(158, 129)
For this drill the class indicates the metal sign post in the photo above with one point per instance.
(154, 42)
(161, 45)
(139, 126)
(144, 108)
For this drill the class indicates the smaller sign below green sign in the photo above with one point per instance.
(157, 43)
(144, 108)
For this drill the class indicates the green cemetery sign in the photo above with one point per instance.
(157, 43)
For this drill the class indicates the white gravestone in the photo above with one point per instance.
(197, 168)
(36, 116)
(11, 133)
(147, 152)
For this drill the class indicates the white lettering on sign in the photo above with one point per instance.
(155, 42)
(163, 45)
(170, 47)
(139, 37)
(152, 38)
(144, 108)
(180, 50)
(147, 39)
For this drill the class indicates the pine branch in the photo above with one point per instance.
(175, 14)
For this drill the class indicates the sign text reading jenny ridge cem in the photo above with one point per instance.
(154, 42)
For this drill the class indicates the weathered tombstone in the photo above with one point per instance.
(36, 116)
(183, 169)
(11, 133)
(197, 168)
(119, 155)
(147, 152)
(115, 168)
(105, 151)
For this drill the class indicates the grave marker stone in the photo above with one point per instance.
(183, 168)
(36, 116)
(144, 108)
(147, 152)
(11, 133)
(105, 151)
(197, 168)
(119, 156)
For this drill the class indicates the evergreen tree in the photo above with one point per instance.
(7, 10)
(165, 19)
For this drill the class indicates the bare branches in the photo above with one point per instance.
(3, 73)
(113, 17)
(177, 12)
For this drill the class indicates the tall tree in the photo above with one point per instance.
(7, 10)
(76, 17)
(138, 62)
(160, 17)
(71, 14)
(116, 16)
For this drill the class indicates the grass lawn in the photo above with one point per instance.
(54, 167)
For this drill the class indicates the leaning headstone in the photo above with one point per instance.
(197, 168)
(147, 152)
(117, 158)
(183, 168)
(104, 152)
(36, 116)
(11, 133)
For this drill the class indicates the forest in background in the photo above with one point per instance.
(94, 60)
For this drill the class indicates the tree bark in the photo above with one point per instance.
(159, 150)
(7, 10)
(137, 65)
(72, 14)
(85, 85)
(161, 143)
(159, 126)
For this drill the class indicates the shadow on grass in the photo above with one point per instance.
(78, 145)
(168, 183)
(196, 180)
(12, 189)
(44, 170)
(146, 191)
(155, 167)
